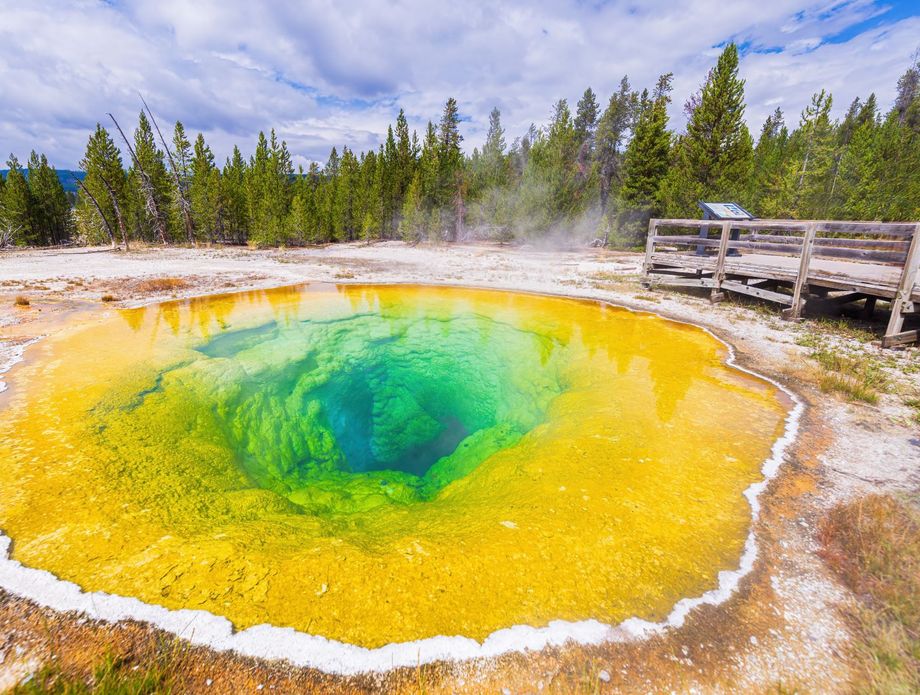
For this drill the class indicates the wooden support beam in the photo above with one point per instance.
(758, 292)
(901, 338)
(869, 309)
(905, 288)
(649, 246)
(842, 299)
(719, 274)
(808, 244)
(673, 281)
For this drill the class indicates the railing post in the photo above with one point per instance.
(808, 243)
(719, 275)
(649, 249)
(905, 288)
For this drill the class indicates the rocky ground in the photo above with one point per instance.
(784, 630)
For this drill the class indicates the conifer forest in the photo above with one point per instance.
(596, 170)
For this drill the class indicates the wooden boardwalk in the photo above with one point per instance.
(794, 262)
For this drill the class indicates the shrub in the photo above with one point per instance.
(162, 284)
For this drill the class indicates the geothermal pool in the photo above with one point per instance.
(379, 464)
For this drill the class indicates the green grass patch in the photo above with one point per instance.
(914, 405)
(859, 378)
(113, 676)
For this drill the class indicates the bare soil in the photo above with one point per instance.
(784, 630)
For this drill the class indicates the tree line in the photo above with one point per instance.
(594, 173)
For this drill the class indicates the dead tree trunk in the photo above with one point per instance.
(147, 185)
(108, 227)
(184, 206)
(117, 208)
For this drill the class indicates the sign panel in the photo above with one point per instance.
(725, 211)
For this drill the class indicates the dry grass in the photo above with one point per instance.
(859, 379)
(162, 284)
(21, 301)
(874, 546)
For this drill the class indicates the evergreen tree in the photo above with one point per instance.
(412, 225)
(908, 94)
(345, 209)
(553, 172)
(203, 190)
(234, 197)
(18, 206)
(646, 162)
(714, 158)
(406, 155)
(149, 213)
(586, 117)
(181, 161)
(494, 164)
(611, 132)
(51, 207)
(771, 194)
(386, 183)
(302, 215)
(585, 126)
(450, 160)
(429, 169)
(268, 191)
(812, 159)
(106, 182)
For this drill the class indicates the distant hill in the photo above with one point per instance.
(65, 175)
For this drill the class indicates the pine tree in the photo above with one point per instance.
(412, 222)
(345, 219)
(646, 162)
(406, 155)
(586, 118)
(494, 163)
(388, 186)
(714, 158)
(268, 188)
(234, 196)
(429, 169)
(106, 182)
(552, 171)
(908, 92)
(812, 159)
(301, 217)
(450, 160)
(149, 213)
(771, 195)
(18, 206)
(181, 161)
(282, 172)
(51, 206)
(615, 122)
(203, 190)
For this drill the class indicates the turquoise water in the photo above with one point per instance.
(369, 408)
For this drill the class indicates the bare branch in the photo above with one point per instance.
(147, 185)
(108, 227)
(184, 205)
(117, 208)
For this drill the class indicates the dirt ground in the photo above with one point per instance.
(784, 630)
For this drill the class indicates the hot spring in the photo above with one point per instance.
(385, 464)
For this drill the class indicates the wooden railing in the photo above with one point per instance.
(878, 243)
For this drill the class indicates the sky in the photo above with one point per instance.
(332, 72)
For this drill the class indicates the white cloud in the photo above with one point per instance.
(325, 73)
